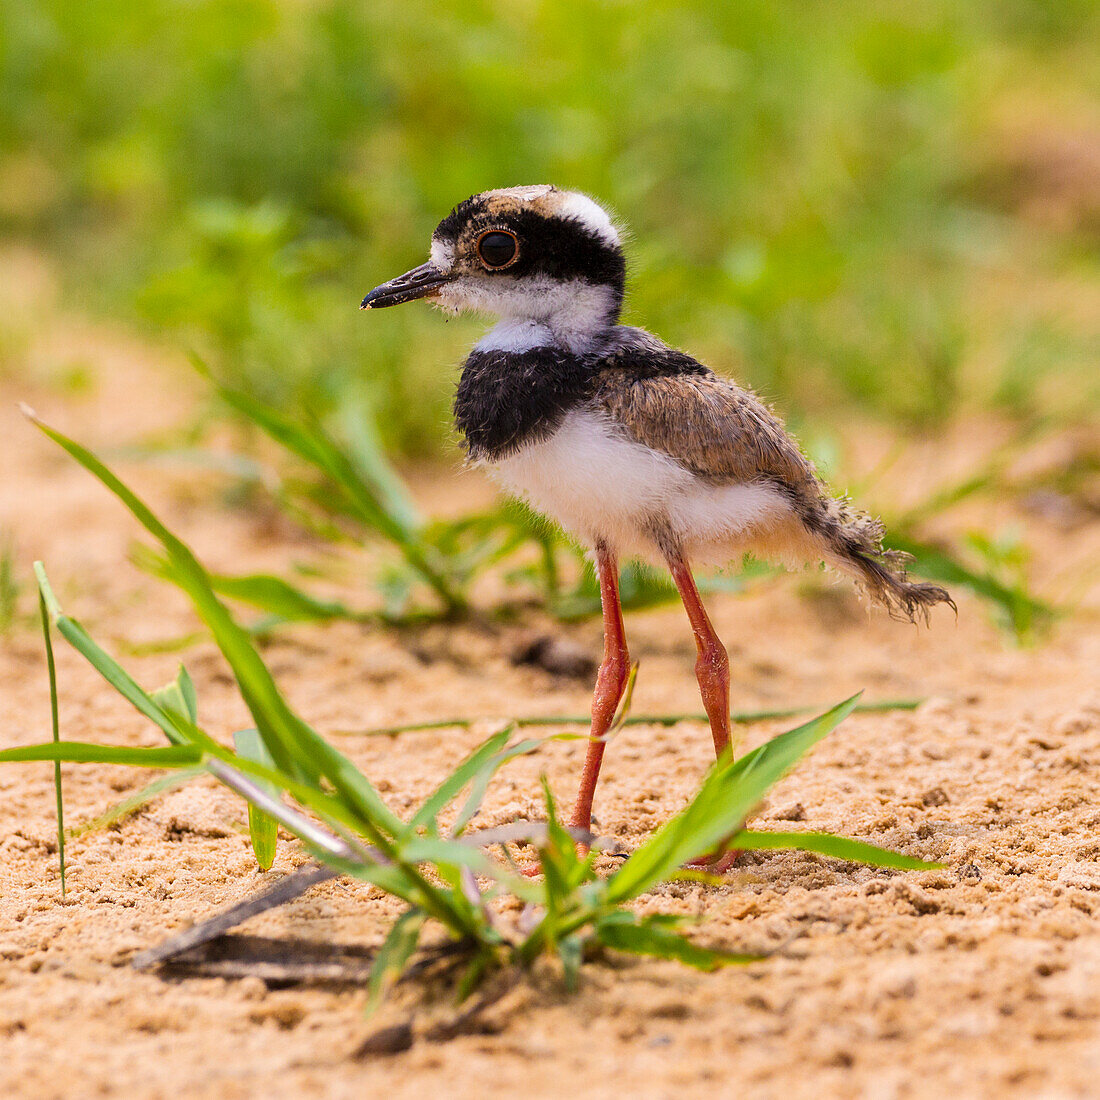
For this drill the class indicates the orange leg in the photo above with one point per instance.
(712, 667)
(712, 670)
(610, 683)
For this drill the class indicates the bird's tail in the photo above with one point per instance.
(853, 542)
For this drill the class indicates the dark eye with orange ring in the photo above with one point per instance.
(497, 248)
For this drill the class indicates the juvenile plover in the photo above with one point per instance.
(633, 447)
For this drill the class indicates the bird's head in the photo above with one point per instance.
(526, 253)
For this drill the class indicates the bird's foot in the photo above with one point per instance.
(713, 864)
(535, 869)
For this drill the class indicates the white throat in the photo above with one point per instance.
(538, 312)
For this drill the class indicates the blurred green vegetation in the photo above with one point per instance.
(847, 204)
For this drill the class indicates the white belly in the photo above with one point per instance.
(603, 487)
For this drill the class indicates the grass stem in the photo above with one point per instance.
(744, 717)
(56, 730)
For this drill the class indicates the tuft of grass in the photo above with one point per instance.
(358, 486)
(291, 776)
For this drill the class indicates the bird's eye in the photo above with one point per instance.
(497, 248)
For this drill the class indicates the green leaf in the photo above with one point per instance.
(450, 853)
(571, 953)
(480, 782)
(296, 748)
(741, 717)
(280, 598)
(277, 597)
(187, 691)
(81, 752)
(108, 667)
(563, 868)
(368, 457)
(263, 829)
(393, 956)
(648, 937)
(473, 975)
(838, 847)
(359, 491)
(622, 711)
(730, 792)
(179, 697)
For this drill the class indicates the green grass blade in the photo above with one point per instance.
(647, 937)
(770, 761)
(83, 752)
(730, 792)
(456, 782)
(276, 596)
(263, 829)
(393, 956)
(838, 847)
(571, 953)
(55, 726)
(622, 711)
(188, 694)
(480, 784)
(274, 719)
(473, 975)
(311, 443)
(359, 427)
(104, 664)
(452, 855)
(281, 599)
(362, 498)
(126, 806)
(297, 749)
(178, 697)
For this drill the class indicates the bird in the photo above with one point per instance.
(634, 448)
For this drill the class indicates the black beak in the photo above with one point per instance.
(421, 282)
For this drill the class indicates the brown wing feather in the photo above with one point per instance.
(725, 434)
(714, 428)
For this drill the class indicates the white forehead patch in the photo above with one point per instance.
(572, 204)
(442, 254)
(524, 194)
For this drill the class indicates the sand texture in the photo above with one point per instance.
(982, 979)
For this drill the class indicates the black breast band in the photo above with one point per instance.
(506, 399)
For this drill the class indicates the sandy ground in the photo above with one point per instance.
(982, 979)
